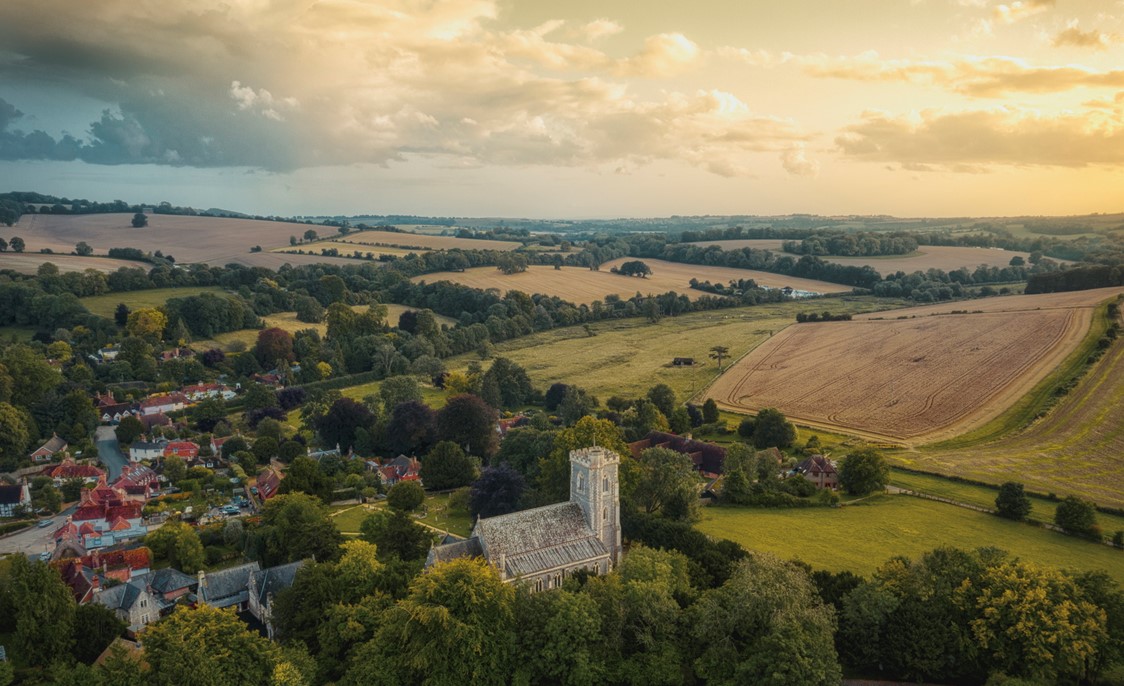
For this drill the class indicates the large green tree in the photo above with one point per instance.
(179, 544)
(447, 466)
(765, 625)
(206, 646)
(469, 422)
(668, 484)
(864, 471)
(1012, 501)
(44, 611)
(297, 527)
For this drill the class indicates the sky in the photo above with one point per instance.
(576, 109)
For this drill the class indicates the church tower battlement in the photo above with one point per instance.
(595, 487)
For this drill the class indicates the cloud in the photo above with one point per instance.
(1021, 9)
(973, 141)
(286, 84)
(1073, 36)
(796, 162)
(970, 75)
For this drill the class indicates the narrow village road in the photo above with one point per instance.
(35, 540)
(109, 452)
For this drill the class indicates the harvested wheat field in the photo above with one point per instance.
(414, 241)
(213, 240)
(582, 286)
(1076, 449)
(943, 257)
(910, 379)
(28, 263)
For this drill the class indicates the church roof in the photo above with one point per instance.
(539, 539)
(276, 579)
(451, 551)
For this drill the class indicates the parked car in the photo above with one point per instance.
(44, 523)
(230, 509)
(44, 556)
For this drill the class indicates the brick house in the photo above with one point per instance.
(45, 452)
(819, 470)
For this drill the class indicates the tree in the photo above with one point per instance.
(447, 466)
(121, 315)
(456, 626)
(339, 424)
(738, 472)
(553, 481)
(175, 469)
(1012, 501)
(308, 310)
(14, 436)
(203, 646)
(411, 428)
(634, 268)
(710, 411)
(554, 395)
(44, 613)
(95, 627)
(765, 625)
(469, 422)
(140, 220)
(405, 496)
(772, 430)
(719, 353)
(273, 346)
(399, 389)
(296, 526)
(310, 235)
(511, 381)
(129, 429)
(179, 544)
(44, 495)
(559, 639)
(147, 323)
(496, 492)
(305, 476)
(864, 471)
(265, 449)
(17, 244)
(663, 398)
(1077, 516)
(3, 245)
(83, 248)
(397, 535)
(668, 484)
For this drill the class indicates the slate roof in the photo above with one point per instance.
(451, 551)
(121, 597)
(816, 465)
(228, 586)
(53, 445)
(167, 580)
(276, 579)
(539, 539)
(11, 495)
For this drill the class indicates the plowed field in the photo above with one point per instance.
(911, 379)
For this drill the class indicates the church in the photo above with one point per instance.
(544, 545)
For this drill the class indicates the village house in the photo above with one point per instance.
(170, 586)
(268, 482)
(399, 469)
(820, 470)
(113, 414)
(45, 452)
(138, 481)
(543, 546)
(106, 355)
(200, 392)
(69, 469)
(151, 421)
(264, 586)
(105, 516)
(708, 458)
(14, 498)
(132, 602)
(186, 450)
(162, 404)
(175, 354)
(146, 450)
(87, 574)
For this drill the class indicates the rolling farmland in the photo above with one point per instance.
(414, 241)
(944, 257)
(212, 240)
(28, 263)
(580, 285)
(911, 378)
(1078, 448)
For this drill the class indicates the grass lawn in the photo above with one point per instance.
(1043, 508)
(626, 357)
(17, 334)
(105, 305)
(434, 397)
(859, 538)
(435, 513)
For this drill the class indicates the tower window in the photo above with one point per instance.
(581, 484)
(605, 484)
(605, 515)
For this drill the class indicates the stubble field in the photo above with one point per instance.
(28, 263)
(582, 286)
(909, 377)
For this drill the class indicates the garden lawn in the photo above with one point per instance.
(860, 538)
(435, 512)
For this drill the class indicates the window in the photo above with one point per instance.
(605, 485)
(144, 619)
(605, 515)
(143, 604)
(538, 585)
(581, 483)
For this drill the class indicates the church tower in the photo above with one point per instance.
(595, 487)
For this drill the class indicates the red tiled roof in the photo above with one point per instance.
(68, 469)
